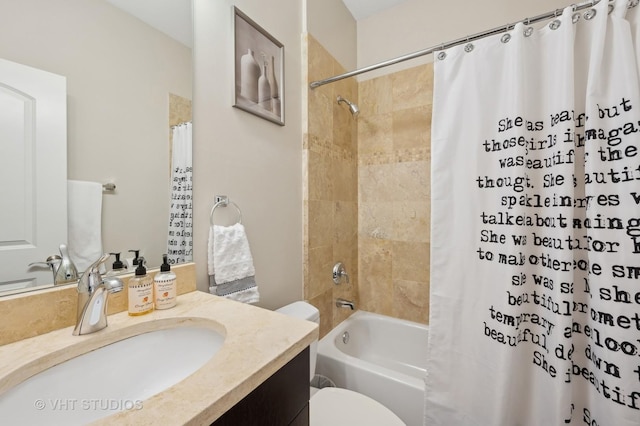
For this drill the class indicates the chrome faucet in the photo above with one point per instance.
(64, 271)
(339, 271)
(342, 303)
(93, 292)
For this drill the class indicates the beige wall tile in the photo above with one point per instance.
(411, 181)
(411, 300)
(411, 128)
(410, 261)
(320, 179)
(412, 87)
(394, 192)
(375, 134)
(379, 225)
(320, 118)
(377, 183)
(375, 275)
(324, 302)
(411, 221)
(344, 174)
(321, 229)
(331, 215)
(376, 96)
(376, 220)
(320, 263)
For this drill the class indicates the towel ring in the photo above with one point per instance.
(224, 203)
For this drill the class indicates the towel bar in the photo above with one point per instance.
(223, 201)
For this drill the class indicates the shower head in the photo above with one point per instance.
(352, 107)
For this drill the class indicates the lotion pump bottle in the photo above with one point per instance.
(165, 287)
(140, 291)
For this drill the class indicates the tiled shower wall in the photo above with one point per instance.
(367, 191)
(394, 159)
(330, 188)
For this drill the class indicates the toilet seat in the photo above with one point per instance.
(342, 407)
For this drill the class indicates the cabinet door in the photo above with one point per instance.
(33, 172)
(282, 399)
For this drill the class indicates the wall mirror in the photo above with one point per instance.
(128, 83)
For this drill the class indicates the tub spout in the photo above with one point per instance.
(342, 303)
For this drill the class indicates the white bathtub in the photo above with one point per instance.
(384, 358)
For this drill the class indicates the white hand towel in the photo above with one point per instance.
(84, 221)
(230, 264)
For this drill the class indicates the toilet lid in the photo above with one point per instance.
(342, 407)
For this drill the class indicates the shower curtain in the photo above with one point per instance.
(180, 238)
(535, 270)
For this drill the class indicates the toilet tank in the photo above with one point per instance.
(305, 311)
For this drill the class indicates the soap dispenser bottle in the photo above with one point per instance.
(132, 262)
(165, 288)
(118, 266)
(140, 291)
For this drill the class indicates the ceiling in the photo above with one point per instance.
(363, 8)
(172, 17)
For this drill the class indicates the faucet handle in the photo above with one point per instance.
(94, 266)
(338, 272)
(91, 276)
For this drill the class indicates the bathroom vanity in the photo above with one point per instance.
(259, 375)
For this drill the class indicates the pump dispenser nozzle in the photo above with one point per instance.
(136, 256)
(165, 267)
(141, 270)
(118, 263)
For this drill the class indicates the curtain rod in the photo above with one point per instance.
(443, 46)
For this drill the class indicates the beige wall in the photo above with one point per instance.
(119, 75)
(330, 189)
(416, 25)
(333, 27)
(257, 163)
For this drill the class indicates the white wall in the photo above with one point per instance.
(258, 164)
(119, 72)
(417, 24)
(331, 23)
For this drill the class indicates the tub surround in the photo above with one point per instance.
(258, 343)
(38, 312)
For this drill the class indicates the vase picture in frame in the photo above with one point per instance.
(259, 70)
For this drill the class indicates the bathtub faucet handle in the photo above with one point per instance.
(338, 272)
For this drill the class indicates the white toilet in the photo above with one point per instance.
(335, 406)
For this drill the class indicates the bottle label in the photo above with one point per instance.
(165, 293)
(141, 296)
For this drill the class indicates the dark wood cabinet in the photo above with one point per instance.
(281, 400)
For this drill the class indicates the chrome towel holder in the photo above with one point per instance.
(223, 201)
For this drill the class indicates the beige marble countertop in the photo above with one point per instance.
(258, 342)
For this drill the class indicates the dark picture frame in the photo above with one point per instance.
(259, 70)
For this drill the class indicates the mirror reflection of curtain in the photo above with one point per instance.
(180, 238)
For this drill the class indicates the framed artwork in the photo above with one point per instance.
(259, 70)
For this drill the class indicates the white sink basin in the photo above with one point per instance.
(116, 377)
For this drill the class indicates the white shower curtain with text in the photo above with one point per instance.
(180, 233)
(535, 263)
